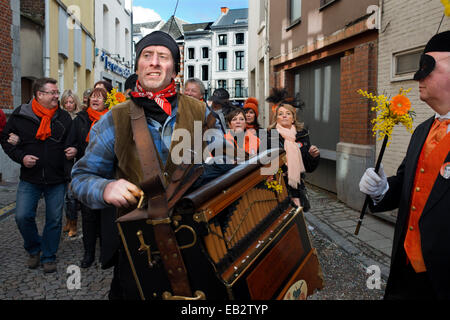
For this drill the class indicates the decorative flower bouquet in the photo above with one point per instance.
(114, 97)
(389, 114)
(446, 4)
(274, 184)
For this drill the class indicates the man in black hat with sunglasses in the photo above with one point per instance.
(420, 260)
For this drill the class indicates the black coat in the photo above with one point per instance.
(78, 133)
(434, 223)
(51, 168)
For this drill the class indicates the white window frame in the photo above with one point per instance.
(406, 76)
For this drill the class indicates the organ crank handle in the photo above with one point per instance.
(145, 247)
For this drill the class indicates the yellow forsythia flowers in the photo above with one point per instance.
(390, 113)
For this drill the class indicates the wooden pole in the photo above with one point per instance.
(366, 202)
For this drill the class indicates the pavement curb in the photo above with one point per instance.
(7, 210)
(345, 244)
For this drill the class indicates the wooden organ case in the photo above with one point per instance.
(239, 240)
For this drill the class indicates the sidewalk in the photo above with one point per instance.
(373, 244)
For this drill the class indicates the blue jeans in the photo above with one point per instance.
(28, 195)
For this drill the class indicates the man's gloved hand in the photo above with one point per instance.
(375, 185)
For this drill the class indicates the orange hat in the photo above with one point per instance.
(251, 103)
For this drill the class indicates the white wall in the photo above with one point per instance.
(258, 53)
(231, 73)
(113, 39)
(198, 43)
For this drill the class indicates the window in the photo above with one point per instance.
(239, 38)
(239, 60)
(295, 10)
(191, 53)
(88, 53)
(61, 62)
(238, 88)
(406, 63)
(191, 72)
(222, 39)
(118, 39)
(325, 3)
(63, 33)
(222, 84)
(105, 28)
(127, 41)
(75, 78)
(222, 61)
(205, 73)
(205, 52)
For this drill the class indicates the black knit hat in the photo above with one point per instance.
(159, 38)
(439, 42)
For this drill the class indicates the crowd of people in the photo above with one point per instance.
(80, 155)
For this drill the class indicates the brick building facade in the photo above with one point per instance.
(10, 72)
(326, 52)
(6, 52)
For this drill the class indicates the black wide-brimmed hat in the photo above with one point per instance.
(220, 95)
(438, 43)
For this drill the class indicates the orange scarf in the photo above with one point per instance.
(293, 155)
(94, 116)
(46, 116)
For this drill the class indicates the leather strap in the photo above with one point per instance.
(158, 210)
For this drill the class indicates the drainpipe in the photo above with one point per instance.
(47, 40)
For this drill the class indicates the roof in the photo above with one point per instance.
(196, 27)
(174, 27)
(234, 17)
(146, 25)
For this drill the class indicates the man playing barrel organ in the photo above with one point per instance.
(108, 174)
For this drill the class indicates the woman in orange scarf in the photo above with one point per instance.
(301, 155)
(242, 140)
(79, 136)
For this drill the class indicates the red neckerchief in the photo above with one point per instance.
(159, 97)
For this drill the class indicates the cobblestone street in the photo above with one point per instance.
(343, 256)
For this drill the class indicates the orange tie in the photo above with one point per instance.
(437, 133)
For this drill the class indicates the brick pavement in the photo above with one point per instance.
(328, 215)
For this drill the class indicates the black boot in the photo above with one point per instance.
(88, 259)
(89, 236)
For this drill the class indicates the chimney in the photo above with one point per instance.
(224, 10)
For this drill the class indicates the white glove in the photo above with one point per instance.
(375, 185)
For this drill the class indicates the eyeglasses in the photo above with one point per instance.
(53, 93)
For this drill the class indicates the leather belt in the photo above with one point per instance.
(158, 208)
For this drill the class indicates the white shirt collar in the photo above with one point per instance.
(442, 117)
